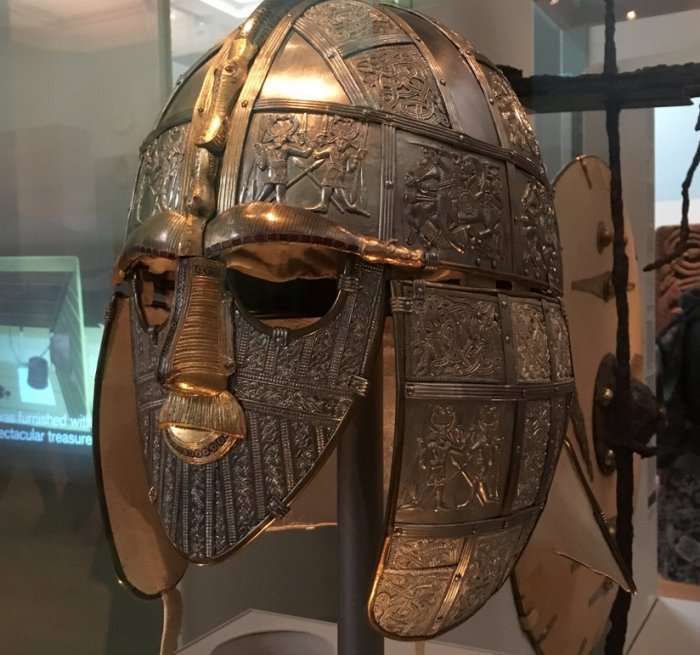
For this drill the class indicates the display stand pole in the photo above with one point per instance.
(360, 520)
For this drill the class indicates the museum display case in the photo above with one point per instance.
(409, 177)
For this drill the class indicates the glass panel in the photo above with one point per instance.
(81, 84)
(80, 89)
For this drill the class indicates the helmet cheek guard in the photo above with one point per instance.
(369, 147)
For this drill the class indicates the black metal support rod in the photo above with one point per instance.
(615, 640)
(360, 521)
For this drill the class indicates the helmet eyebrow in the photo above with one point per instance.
(260, 223)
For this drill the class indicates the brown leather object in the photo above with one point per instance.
(674, 278)
(144, 558)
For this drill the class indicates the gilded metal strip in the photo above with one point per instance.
(270, 357)
(287, 455)
(240, 119)
(185, 508)
(229, 507)
(442, 134)
(514, 392)
(209, 511)
(484, 526)
(318, 40)
(302, 399)
(436, 70)
(376, 323)
(455, 584)
(257, 468)
(507, 328)
(343, 331)
(370, 42)
(387, 193)
(516, 455)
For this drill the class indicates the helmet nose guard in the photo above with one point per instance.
(337, 136)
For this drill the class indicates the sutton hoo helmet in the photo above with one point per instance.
(333, 145)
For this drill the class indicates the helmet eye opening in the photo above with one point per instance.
(155, 294)
(293, 304)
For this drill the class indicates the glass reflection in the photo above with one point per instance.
(80, 88)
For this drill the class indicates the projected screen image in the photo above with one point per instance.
(47, 355)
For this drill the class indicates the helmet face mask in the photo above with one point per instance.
(374, 193)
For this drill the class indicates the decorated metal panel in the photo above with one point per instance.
(295, 389)
(469, 107)
(323, 163)
(158, 185)
(564, 606)
(517, 126)
(479, 426)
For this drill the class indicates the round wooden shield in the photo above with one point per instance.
(564, 606)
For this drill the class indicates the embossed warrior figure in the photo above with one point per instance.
(423, 201)
(455, 199)
(443, 438)
(281, 142)
(340, 148)
(247, 320)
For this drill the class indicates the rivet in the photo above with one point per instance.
(507, 339)
(388, 184)
(504, 303)
(506, 524)
(331, 55)
(244, 103)
(610, 458)
(443, 82)
(229, 68)
(458, 576)
(200, 110)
